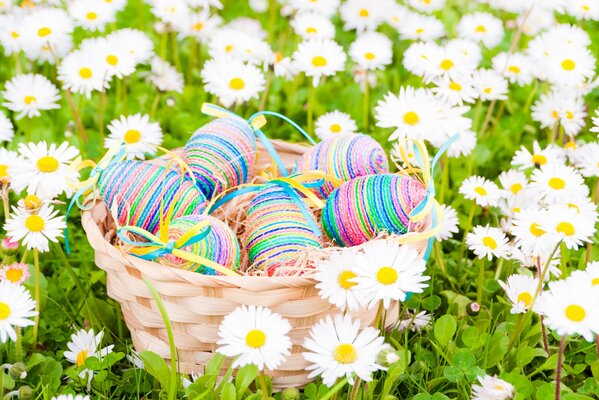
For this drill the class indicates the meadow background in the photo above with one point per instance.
(441, 362)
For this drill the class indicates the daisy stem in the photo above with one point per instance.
(311, 109)
(18, 344)
(264, 97)
(560, 139)
(558, 369)
(272, 9)
(467, 230)
(356, 387)
(533, 91)
(377, 318)
(497, 118)
(76, 115)
(6, 205)
(38, 295)
(192, 60)
(155, 103)
(263, 385)
(445, 177)
(487, 119)
(163, 40)
(439, 258)
(544, 334)
(597, 344)
(366, 104)
(481, 281)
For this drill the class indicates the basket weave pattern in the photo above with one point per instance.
(196, 304)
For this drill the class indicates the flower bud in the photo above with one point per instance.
(473, 308)
(388, 356)
(290, 393)
(18, 371)
(9, 247)
(25, 393)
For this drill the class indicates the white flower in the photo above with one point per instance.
(414, 322)
(16, 307)
(490, 85)
(36, 230)
(515, 67)
(481, 190)
(590, 274)
(372, 51)
(71, 397)
(568, 65)
(92, 15)
(283, 66)
(529, 234)
(137, 132)
(27, 94)
(492, 388)
(570, 307)
(324, 7)
(199, 25)
(427, 5)
(45, 169)
(588, 159)
(455, 91)
(572, 114)
(117, 60)
(6, 129)
(481, 27)
(361, 15)
(595, 120)
(165, 77)
(9, 160)
(388, 271)
(255, 335)
(450, 223)
(558, 183)
(311, 25)
(421, 27)
(334, 123)
(337, 348)
(520, 290)
(524, 159)
(135, 42)
(336, 280)
(83, 72)
(570, 225)
(46, 34)
(85, 344)
(234, 43)
(11, 36)
(232, 81)
(538, 18)
(512, 182)
(582, 9)
(319, 58)
(489, 242)
(16, 273)
(464, 144)
(170, 11)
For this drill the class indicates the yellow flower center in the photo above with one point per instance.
(35, 223)
(515, 188)
(487, 90)
(574, 207)
(236, 84)
(514, 69)
(344, 279)
(14, 34)
(455, 86)
(91, 15)
(81, 357)
(566, 228)
(516, 210)
(198, 26)
(386, 275)
(29, 99)
(4, 311)
(490, 242)
(369, 56)
(586, 8)
(570, 145)
(411, 118)
(446, 64)
(480, 190)
(364, 13)
(14, 275)
(229, 48)
(419, 30)
(85, 73)
(311, 30)
(481, 29)
(526, 298)
(575, 313)
(319, 61)
(42, 32)
(112, 59)
(539, 159)
(32, 201)
(569, 114)
(345, 353)
(557, 183)
(47, 164)
(255, 338)
(595, 282)
(535, 230)
(568, 65)
(3, 171)
(335, 128)
(132, 136)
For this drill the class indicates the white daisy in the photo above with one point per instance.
(492, 388)
(46, 34)
(529, 233)
(558, 183)
(319, 58)
(568, 65)
(283, 66)
(336, 281)
(590, 274)
(165, 77)
(450, 224)
(136, 42)
(70, 397)
(36, 230)
(515, 67)
(538, 18)
(572, 114)
(116, 59)
(421, 27)
(242, 46)
(481, 27)
(455, 91)
(484, 192)
(324, 7)
(15, 273)
(414, 322)
(361, 15)
(427, 6)
(334, 123)
(83, 72)
(92, 15)
(595, 120)
(337, 348)
(582, 9)
(16, 307)
(487, 241)
(137, 132)
(572, 227)
(570, 307)
(388, 271)
(254, 335)
(27, 94)
(9, 160)
(85, 344)
(588, 159)
(464, 145)
(11, 35)
(7, 131)
(45, 169)
(169, 11)
(538, 157)
(199, 25)
(232, 81)
(372, 51)
(520, 290)
(490, 85)
(311, 25)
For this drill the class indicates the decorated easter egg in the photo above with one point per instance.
(345, 157)
(219, 245)
(360, 209)
(139, 188)
(221, 154)
(277, 228)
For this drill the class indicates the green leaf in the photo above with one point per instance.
(197, 391)
(93, 363)
(156, 366)
(228, 392)
(463, 359)
(496, 349)
(214, 365)
(7, 381)
(245, 376)
(453, 374)
(445, 328)
(440, 396)
(431, 303)
(525, 355)
(422, 396)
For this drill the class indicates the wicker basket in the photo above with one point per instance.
(196, 304)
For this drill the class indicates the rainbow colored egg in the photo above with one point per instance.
(366, 206)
